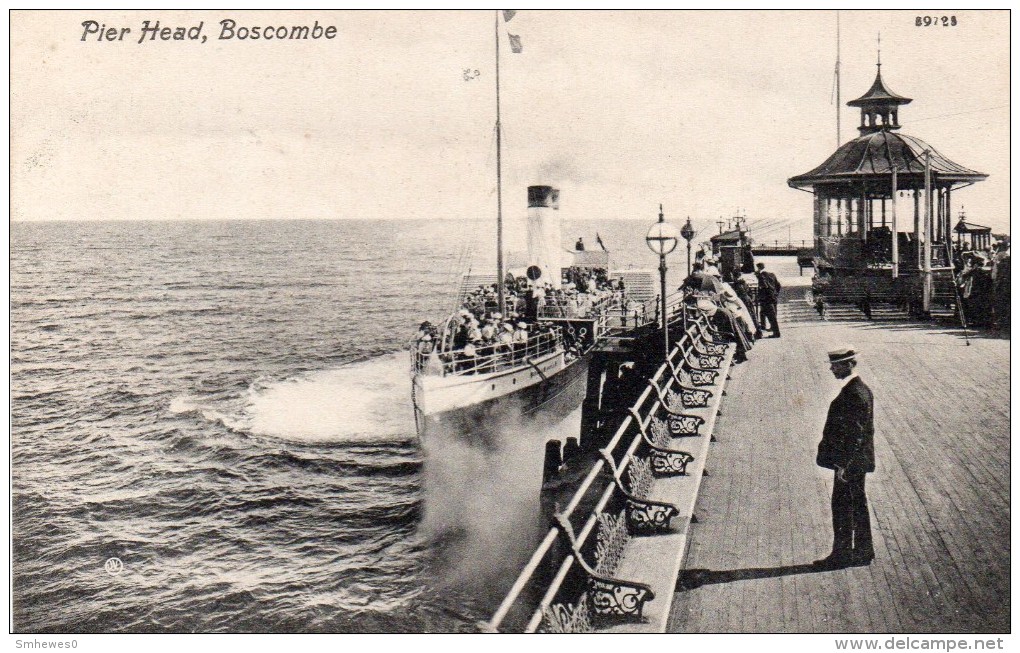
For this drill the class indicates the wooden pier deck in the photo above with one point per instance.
(939, 497)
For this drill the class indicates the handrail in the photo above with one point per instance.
(569, 307)
(554, 587)
(547, 543)
(458, 362)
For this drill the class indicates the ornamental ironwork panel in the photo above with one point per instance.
(670, 463)
(711, 348)
(710, 361)
(647, 518)
(688, 398)
(680, 425)
(703, 377)
(612, 598)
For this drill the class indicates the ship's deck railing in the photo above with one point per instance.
(626, 442)
(486, 358)
(569, 308)
(627, 316)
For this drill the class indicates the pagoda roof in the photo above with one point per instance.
(876, 155)
(879, 94)
(971, 228)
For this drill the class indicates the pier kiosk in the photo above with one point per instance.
(882, 205)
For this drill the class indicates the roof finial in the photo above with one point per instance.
(880, 50)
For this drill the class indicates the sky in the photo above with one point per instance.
(707, 113)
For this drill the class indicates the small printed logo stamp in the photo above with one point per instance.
(114, 566)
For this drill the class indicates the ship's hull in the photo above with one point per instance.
(513, 417)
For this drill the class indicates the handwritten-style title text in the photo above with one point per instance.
(229, 30)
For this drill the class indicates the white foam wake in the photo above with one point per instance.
(368, 400)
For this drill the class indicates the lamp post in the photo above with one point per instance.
(662, 239)
(688, 233)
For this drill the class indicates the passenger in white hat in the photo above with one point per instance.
(847, 448)
(521, 333)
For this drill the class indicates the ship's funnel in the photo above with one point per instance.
(544, 233)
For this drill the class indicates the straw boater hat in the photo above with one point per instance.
(843, 353)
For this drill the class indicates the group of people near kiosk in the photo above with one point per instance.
(982, 278)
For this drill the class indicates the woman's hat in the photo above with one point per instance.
(844, 353)
(508, 326)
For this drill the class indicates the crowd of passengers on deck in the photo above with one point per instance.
(478, 338)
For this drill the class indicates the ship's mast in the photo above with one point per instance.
(839, 140)
(499, 189)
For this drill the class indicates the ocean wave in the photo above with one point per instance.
(226, 414)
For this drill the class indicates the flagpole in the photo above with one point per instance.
(499, 189)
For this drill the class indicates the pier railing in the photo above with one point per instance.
(587, 540)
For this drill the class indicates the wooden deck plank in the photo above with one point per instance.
(940, 496)
(941, 482)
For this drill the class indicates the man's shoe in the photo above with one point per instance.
(832, 561)
(774, 335)
(758, 335)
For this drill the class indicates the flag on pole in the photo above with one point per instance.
(508, 14)
(515, 43)
(598, 239)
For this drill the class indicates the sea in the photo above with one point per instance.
(211, 429)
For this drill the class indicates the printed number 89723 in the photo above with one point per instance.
(928, 21)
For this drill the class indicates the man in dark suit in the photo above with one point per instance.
(847, 447)
(768, 298)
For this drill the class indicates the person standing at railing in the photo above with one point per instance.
(489, 330)
(740, 287)
(519, 342)
(731, 302)
(466, 359)
(768, 299)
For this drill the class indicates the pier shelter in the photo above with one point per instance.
(882, 203)
(970, 236)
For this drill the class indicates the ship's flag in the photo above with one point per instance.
(515, 43)
(508, 14)
(598, 239)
